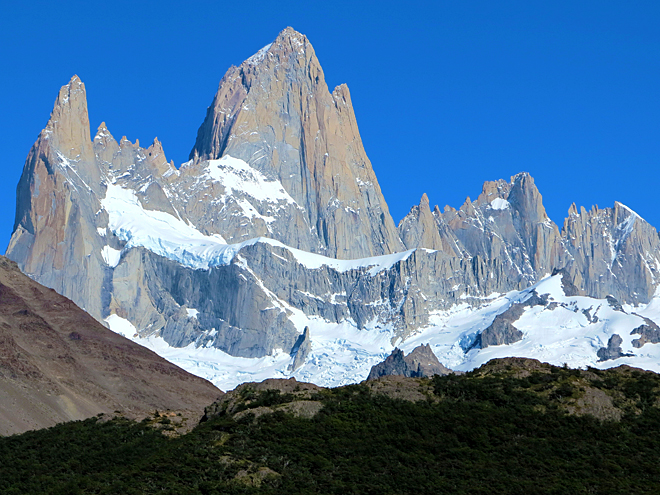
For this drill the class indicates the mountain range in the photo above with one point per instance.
(272, 252)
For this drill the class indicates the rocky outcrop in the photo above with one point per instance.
(425, 362)
(613, 252)
(275, 394)
(394, 364)
(421, 362)
(613, 349)
(649, 333)
(421, 228)
(59, 364)
(502, 331)
(604, 251)
(567, 284)
(614, 304)
(506, 226)
(301, 350)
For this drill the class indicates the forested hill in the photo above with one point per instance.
(511, 426)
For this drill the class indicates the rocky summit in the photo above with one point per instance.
(271, 253)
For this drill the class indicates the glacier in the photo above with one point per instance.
(343, 354)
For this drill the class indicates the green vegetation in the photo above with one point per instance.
(500, 429)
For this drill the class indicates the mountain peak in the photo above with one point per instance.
(526, 197)
(68, 126)
(102, 133)
(292, 36)
(288, 42)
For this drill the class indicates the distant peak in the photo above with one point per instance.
(290, 40)
(68, 126)
(287, 39)
(72, 92)
(290, 33)
(617, 204)
(520, 177)
(103, 135)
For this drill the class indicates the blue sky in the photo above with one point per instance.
(447, 94)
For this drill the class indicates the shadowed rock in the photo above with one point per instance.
(613, 349)
(614, 303)
(502, 331)
(567, 284)
(421, 362)
(649, 333)
(301, 349)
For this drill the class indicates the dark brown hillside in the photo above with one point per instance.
(58, 364)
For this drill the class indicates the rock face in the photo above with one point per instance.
(604, 251)
(277, 222)
(55, 239)
(613, 349)
(421, 362)
(301, 349)
(275, 113)
(614, 251)
(422, 359)
(59, 364)
(506, 230)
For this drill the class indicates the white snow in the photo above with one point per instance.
(121, 326)
(238, 177)
(500, 204)
(192, 313)
(259, 56)
(342, 353)
(177, 240)
(558, 336)
(111, 256)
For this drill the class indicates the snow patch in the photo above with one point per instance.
(238, 177)
(500, 204)
(111, 256)
(121, 326)
(259, 56)
(342, 354)
(172, 238)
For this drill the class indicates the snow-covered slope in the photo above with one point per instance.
(567, 330)
(170, 237)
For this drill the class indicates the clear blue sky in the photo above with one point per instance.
(447, 94)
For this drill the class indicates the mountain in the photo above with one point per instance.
(277, 224)
(59, 364)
